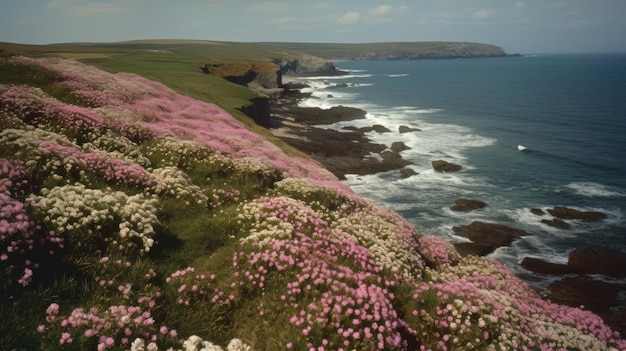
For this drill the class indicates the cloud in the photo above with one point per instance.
(349, 18)
(520, 5)
(380, 10)
(482, 14)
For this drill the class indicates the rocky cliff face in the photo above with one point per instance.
(305, 65)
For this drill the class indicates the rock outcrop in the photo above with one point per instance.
(569, 213)
(485, 237)
(306, 65)
(464, 205)
(445, 166)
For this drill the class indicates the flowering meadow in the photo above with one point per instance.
(136, 218)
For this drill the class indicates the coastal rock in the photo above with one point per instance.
(598, 261)
(556, 223)
(399, 146)
(473, 249)
(445, 166)
(405, 129)
(378, 128)
(488, 236)
(407, 172)
(540, 266)
(537, 211)
(464, 205)
(569, 213)
(316, 115)
(304, 65)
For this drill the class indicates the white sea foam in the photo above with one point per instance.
(592, 189)
(397, 75)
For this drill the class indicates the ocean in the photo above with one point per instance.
(568, 111)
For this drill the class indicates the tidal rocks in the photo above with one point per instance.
(486, 237)
(399, 146)
(557, 223)
(540, 266)
(464, 205)
(407, 172)
(598, 261)
(405, 129)
(445, 166)
(570, 213)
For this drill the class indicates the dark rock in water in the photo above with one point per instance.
(475, 249)
(598, 261)
(407, 172)
(405, 129)
(489, 235)
(537, 211)
(467, 205)
(557, 223)
(538, 265)
(445, 166)
(569, 213)
(398, 146)
(341, 85)
(378, 128)
(330, 96)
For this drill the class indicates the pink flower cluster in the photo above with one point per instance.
(437, 252)
(137, 107)
(192, 288)
(332, 290)
(110, 169)
(115, 326)
(20, 237)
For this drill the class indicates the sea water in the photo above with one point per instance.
(566, 112)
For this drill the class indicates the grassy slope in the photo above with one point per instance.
(175, 64)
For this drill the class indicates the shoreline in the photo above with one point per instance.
(348, 151)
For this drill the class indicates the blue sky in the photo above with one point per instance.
(524, 26)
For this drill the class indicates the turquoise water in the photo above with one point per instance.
(569, 111)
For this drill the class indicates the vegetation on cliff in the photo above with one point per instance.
(133, 217)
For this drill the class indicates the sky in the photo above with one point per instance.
(518, 26)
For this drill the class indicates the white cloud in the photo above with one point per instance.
(349, 18)
(482, 14)
(381, 10)
(520, 5)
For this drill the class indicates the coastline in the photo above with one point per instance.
(348, 151)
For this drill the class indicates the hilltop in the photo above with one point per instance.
(146, 211)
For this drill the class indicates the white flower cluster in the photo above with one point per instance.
(172, 182)
(76, 210)
(184, 154)
(193, 343)
(322, 198)
(272, 228)
(116, 146)
(25, 143)
(382, 238)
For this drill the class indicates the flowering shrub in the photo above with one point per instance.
(437, 252)
(330, 200)
(91, 218)
(97, 328)
(172, 182)
(388, 237)
(116, 147)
